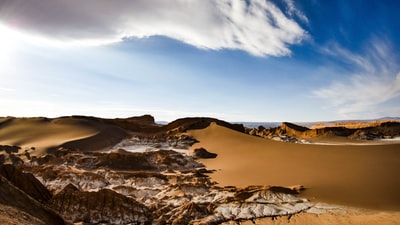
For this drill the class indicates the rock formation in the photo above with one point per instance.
(292, 132)
(26, 182)
(13, 199)
(202, 153)
(103, 206)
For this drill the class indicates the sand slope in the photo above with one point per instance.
(360, 176)
(73, 132)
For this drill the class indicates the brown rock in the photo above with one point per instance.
(104, 206)
(26, 182)
(204, 154)
(14, 198)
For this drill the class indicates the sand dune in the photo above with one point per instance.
(44, 134)
(360, 176)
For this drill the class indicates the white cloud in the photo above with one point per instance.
(366, 92)
(293, 11)
(258, 26)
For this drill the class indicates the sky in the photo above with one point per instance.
(236, 60)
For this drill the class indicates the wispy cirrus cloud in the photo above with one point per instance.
(373, 82)
(258, 27)
(294, 11)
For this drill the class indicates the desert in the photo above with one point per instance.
(183, 112)
(88, 170)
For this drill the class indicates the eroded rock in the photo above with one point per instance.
(104, 206)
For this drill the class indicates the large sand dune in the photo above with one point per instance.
(360, 176)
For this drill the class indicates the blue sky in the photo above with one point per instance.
(235, 60)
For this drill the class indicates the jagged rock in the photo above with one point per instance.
(187, 213)
(26, 182)
(104, 206)
(256, 202)
(204, 154)
(137, 161)
(15, 198)
(56, 180)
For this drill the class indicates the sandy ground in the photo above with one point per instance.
(358, 176)
(43, 133)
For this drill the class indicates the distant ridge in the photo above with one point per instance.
(355, 123)
(311, 124)
(351, 130)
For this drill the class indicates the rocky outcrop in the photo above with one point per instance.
(187, 213)
(383, 130)
(25, 182)
(103, 206)
(132, 161)
(202, 153)
(254, 202)
(142, 124)
(292, 132)
(16, 200)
